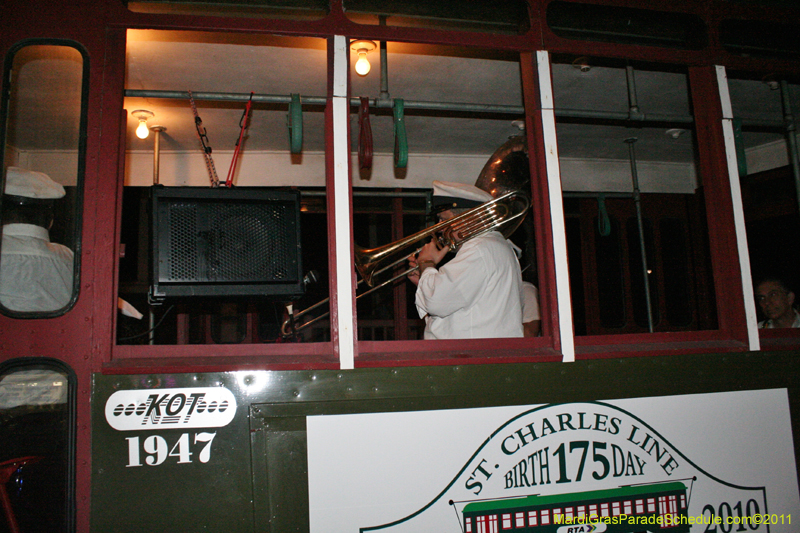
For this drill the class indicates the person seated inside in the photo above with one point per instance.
(478, 293)
(531, 319)
(35, 274)
(776, 301)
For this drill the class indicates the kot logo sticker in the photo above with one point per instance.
(133, 410)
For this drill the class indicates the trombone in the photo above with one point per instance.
(504, 213)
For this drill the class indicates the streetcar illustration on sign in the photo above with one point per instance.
(653, 507)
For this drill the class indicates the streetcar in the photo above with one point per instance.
(224, 182)
(654, 507)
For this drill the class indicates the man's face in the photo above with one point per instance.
(452, 236)
(445, 215)
(774, 300)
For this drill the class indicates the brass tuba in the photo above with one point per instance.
(506, 176)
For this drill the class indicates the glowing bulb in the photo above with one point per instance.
(362, 65)
(141, 130)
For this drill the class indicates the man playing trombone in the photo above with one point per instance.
(478, 293)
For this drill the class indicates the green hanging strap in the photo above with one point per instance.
(741, 158)
(400, 140)
(295, 122)
(603, 222)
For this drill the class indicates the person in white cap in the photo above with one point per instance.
(35, 274)
(478, 293)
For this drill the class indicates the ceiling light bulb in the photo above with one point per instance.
(141, 130)
(362, 65)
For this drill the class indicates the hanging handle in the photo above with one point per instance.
(603, 222)
(295, 122)
(400, 140)
(364, 136)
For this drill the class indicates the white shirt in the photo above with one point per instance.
(530, 302)
(35, 274)
(478, 294)
(767, 324)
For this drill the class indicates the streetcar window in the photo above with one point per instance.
(651, 505)
(581, 511)
(532, 518)
(291, 10)
(683, 501)
(593, 510)
(519, 520)
(625, 25)
(769, 194)
(545, 516)
(615, 509)
(569, 513)
(506, 521)
(604, 509)
(42, 176)
(760, 38)
(627, 508)
(37, 416)
(468, 525)
(509, 17)
(634, 204)
(639, 506)
(217, 257)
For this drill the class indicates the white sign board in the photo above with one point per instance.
(720, 462)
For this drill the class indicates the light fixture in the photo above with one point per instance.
(142, 114)
(362, 47)
(771, 81)
(582, 64)
(675, 132)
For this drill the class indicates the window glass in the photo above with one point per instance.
(760, 38)
(37, 445)
(507, 17)
(626, 25)
(276, 9)
(627, 152)
(43, 154)
(768, 166)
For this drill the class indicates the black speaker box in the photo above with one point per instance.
(230, 242)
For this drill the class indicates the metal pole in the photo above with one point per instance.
(156, 150)
(633, 104)
(444, 106)
(637, 200)
(384, 94)
(791, 139)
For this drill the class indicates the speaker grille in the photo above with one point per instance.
(212, 242)
(249, 242)
(183, 249)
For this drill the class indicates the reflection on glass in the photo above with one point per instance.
(41, 162)
(34, 448)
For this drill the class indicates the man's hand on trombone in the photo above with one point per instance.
(430, 255)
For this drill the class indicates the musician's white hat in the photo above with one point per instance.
(450, 195)
(31, 184)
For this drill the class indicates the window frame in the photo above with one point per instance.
(70, 490)
(77, 221)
